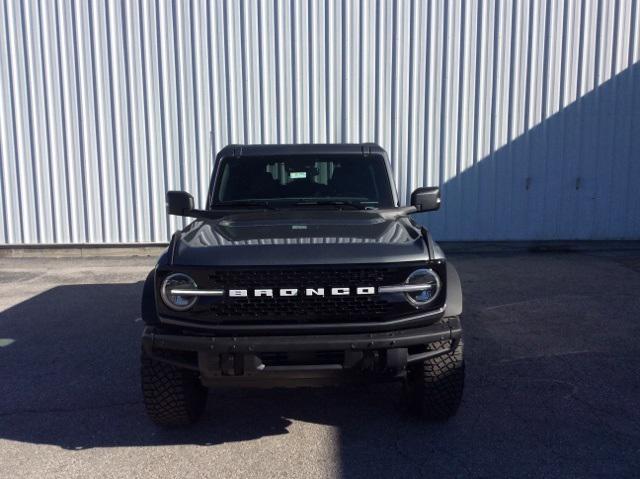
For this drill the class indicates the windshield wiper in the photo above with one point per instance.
(249, 203)
(349, 204)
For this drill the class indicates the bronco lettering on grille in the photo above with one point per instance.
(284, 292)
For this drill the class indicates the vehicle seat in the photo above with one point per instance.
(349, 180)
(252, 186)
(302, 188)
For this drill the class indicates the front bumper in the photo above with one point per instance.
(238, 359)
(449, 329)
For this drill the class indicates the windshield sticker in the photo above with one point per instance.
(295, 175)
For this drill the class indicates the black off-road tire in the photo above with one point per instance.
(435, 385)
(172, 396)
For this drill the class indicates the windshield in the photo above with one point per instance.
(284, 182)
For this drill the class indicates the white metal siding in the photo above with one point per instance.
(527, 113)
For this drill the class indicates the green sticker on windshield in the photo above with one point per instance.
(295, 175)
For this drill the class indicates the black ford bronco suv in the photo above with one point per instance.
(303, 270)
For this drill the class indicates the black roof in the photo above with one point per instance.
(302, 149)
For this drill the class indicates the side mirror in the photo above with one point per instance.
(179, 203)
(426, 198)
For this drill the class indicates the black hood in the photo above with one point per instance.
(286, 237)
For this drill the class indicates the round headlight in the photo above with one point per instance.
(423, 296)
(178, 281)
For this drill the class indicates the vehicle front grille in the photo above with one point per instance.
(307, 309)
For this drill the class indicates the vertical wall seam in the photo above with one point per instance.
(12, 110)
(99, 158)
(227, 75)
(32, 156)
(242, 97)
(343, 59)
(47, 133)
(65, 146)
(327, 72)
(5, 210)
(494, 101)
(563, 129)
(310, 50)
(378, 49)
(361, 120)
(79, 110)
(145, 113)
(133, 180)
(294, 70)
(580, 78)
(178, 96)
(596, 77)
(162, 100)
(614, 87)
(545, 112)
(511, 101)
(196, 106)
(634, 92)
(427, 88)
(527, 108)
(260, 54)
(394, 86)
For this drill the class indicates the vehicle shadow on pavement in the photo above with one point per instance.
(542, 396)
(70, 369)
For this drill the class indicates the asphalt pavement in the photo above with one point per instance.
(553, 383)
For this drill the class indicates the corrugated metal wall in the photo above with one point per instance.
(526, 112)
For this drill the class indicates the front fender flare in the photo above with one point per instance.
(148, 309)
(454, 293)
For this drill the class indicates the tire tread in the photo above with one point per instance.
(172, 396)
(436, 384)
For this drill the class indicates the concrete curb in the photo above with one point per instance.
(480, 247)
(80, 251)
